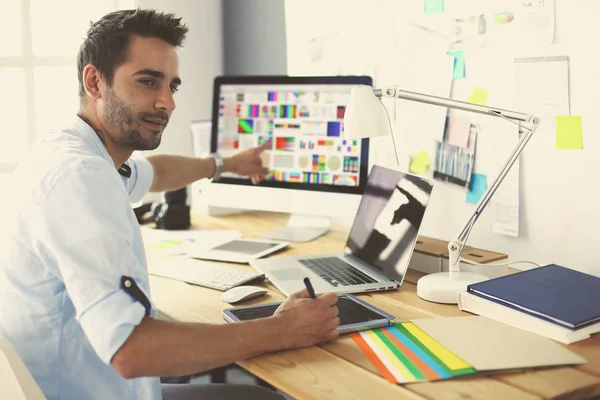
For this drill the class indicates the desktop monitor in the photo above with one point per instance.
(315, 172)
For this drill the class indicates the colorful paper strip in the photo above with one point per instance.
(404, 353)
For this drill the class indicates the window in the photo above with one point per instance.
(38, 74)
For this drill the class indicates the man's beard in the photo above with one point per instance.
(119, 115)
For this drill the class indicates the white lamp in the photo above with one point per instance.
(365, 116)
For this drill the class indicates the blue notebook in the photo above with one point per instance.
(553, 293)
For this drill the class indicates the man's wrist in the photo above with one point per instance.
(218, 160)
(228, 164)
(276, 338)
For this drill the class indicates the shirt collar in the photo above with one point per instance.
(85, 132)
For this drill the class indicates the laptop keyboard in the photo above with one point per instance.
(336, 271)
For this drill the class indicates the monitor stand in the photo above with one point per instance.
(300, 228)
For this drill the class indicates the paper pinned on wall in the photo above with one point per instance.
(569, 132)
(477, 189)
(433, 6)
(525, 24)
(459, 64)
(458, 131)
(542, 88)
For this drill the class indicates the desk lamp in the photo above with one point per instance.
(366, 116)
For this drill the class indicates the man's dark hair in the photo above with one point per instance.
(106, 44)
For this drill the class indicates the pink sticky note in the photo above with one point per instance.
(458, 131)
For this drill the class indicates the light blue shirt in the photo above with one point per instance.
(67, 240)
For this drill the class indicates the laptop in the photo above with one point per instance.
(378, 249)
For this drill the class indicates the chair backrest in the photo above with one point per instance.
(16, 382)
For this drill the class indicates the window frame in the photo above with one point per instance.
(28, 61)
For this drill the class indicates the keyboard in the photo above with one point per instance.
(202, 273)
(337, 271)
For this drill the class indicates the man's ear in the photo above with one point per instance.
(92, 81)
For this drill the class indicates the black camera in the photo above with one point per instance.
(172, 213)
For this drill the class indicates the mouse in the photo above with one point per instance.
(240, 293)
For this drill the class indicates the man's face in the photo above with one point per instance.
(138, 105)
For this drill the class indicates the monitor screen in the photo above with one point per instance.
(301, 121)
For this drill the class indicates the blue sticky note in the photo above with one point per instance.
(459, 64)
(433, 6)
(477, 189)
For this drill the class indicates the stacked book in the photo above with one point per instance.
(553, 301)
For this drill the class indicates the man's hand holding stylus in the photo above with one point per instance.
(304, 321)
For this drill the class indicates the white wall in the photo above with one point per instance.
(560, 210)
(254, 37)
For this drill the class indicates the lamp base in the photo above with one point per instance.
(443, 288)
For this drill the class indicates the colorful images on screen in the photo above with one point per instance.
(350, 164)
(311, 177)
(319, 162)
(327, 178)
(303, 129)
(334, 128)
(287, 111)
(245, 126)
(265, 140)
(307, 144)
(285, 143)
(294, 177)
(284, 96)
(345, 180)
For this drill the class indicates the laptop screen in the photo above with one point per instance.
(387, 223)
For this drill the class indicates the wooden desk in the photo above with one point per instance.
(337, 370)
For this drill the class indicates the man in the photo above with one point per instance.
(73, 277)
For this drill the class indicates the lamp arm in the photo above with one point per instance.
(527, 122)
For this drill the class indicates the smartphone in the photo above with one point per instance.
(355, 314)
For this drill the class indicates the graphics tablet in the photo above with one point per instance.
(355, 314)
(239, 250)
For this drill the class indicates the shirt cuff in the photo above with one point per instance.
(142, 175)
(109, 323)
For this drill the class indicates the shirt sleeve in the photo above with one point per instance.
(142, 175)
(84, 228)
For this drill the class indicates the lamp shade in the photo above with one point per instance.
(365, 115)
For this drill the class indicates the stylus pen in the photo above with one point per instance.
(309, 287)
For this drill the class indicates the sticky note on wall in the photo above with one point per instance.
(419, 162)
(433, 6)
(459, 64)
(569, 132)
(477, 189)
(478, 96)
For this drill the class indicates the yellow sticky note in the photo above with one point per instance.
(419, 162)
(569, 133)
(479, 96)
